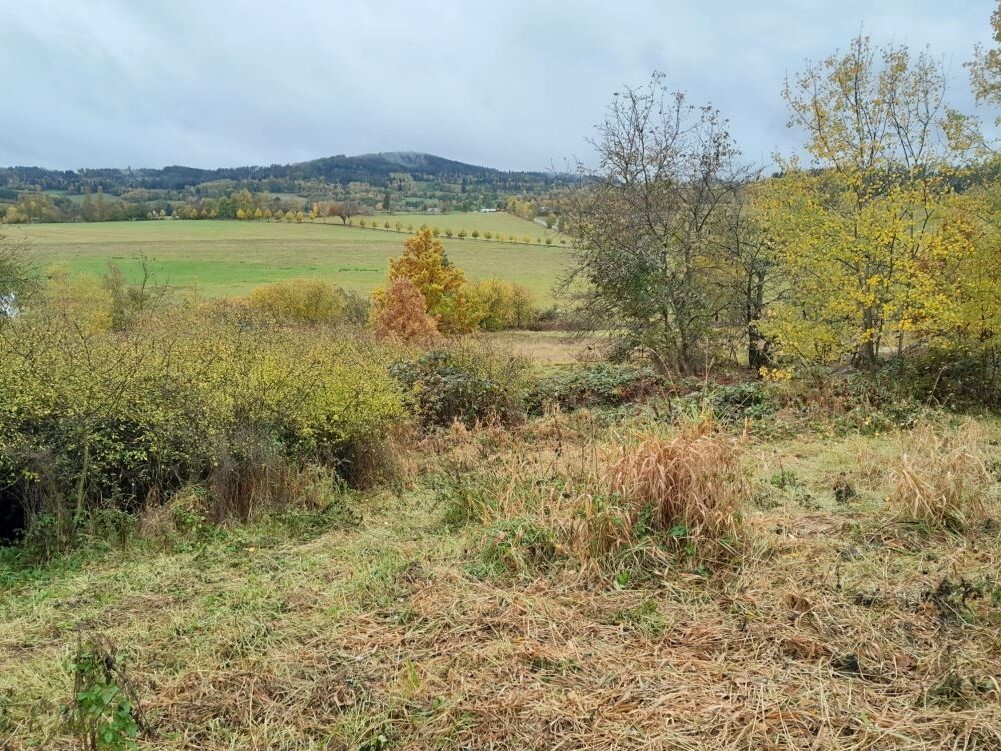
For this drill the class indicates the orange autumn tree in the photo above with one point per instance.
(403, 315)
(425, 265)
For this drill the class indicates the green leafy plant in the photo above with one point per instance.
(600, 384)
(465, 385)
(104, 714)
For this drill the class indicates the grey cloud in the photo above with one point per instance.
(516, 85)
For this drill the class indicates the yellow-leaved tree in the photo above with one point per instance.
(426, 266)
(865, 233)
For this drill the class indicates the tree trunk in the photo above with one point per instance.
(866, 358)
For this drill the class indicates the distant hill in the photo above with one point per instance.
(375, 169)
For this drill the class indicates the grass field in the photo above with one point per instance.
(386, 628)
(219, 258)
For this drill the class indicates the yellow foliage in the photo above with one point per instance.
(425, 265)
(876, 246)
(299, 300)
(164, 402)
(502, 305)
(423, 262)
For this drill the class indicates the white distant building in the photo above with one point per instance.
(488, 211)
(8, 305)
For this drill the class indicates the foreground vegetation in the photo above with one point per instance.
(503, 597)
(262, 523)
(308, 518)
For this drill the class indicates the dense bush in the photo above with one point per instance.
(956, 380)
(306, 301)
(503, 305)
(466, 383)
(850, 402)
(90, 417)
(600, 384)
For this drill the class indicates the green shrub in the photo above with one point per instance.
(955, 380)
(95, 419)
(465, 384)
(600, 384)
(503, 305)
(301, 301)
(730, 403)
(851, 402)
(104, 712)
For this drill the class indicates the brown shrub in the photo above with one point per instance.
(942, 479)
(692, 485)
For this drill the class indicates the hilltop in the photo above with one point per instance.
(376, 169)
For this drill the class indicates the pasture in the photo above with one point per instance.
(221, 258)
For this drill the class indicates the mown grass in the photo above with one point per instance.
(220, 258)
(840, 626)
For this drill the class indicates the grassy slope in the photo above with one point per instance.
(835, 634)
(229, 257)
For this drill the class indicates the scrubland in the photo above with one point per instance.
(479, 553)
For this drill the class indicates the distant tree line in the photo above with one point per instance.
(402, 182)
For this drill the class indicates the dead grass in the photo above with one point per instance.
(942, 478)
(550, 348)
(838, 631)
(693, 484)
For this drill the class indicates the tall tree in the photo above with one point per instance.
(985, 68)
(858, 231)
(649, 223)
(440, 283)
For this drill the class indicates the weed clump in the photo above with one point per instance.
(691, 485)
(639, 508)
(942, 480)
(104, 712)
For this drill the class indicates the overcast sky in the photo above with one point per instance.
(517, 84)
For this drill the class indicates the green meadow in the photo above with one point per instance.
(221, 258)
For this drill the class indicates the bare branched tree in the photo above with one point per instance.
(650, 222)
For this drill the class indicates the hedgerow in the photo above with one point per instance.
(94, 418)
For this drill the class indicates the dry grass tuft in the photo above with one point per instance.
(943, 480)
(692, 484)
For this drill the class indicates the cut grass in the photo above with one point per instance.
(221, 258)
(840, 630)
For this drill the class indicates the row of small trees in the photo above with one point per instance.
(461, 234)
(298, 216)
